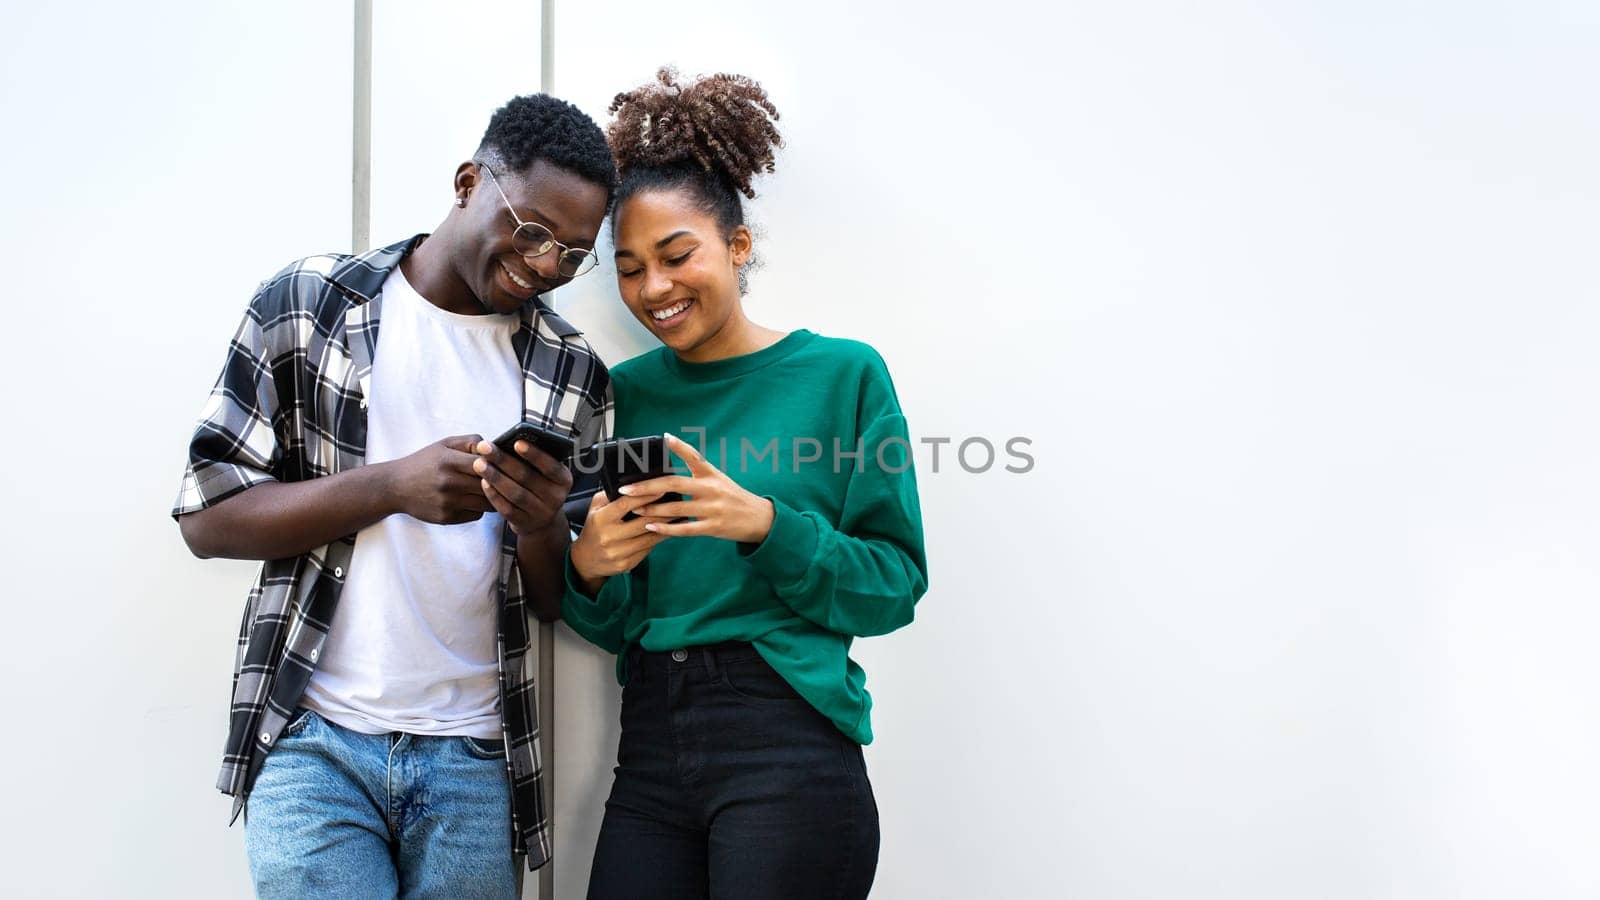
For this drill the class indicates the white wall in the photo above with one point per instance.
(439, 71)
(1297, 305)
(158, 164)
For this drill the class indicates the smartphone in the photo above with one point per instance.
(552, 442)
(633, 460)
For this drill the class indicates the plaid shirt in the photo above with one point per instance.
(290, 406)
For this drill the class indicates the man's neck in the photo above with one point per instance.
(430, 275)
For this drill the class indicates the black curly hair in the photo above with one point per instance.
(537, 127)
(710, 137)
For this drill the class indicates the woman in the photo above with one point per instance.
(740, 773)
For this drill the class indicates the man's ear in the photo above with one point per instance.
(467, 179)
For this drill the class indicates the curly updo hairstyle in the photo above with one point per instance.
(709, 138)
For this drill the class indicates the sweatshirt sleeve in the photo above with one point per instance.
(600, 620)
(864, 576)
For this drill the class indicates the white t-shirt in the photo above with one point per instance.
(412, 645)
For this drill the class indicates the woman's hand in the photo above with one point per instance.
(609, 546)
(718, 505)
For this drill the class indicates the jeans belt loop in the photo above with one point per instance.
(711, 662)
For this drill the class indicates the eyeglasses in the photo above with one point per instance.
(532, 239)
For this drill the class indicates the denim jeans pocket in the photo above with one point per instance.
(757, 682)
(484, 748)
(297, 722)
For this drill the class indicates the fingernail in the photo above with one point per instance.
(651, 527)
(625, 490)
(479, 466)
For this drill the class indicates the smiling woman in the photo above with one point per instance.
(682, 285)
(733, 627)
(686, 154)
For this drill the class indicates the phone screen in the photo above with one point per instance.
(634, 460)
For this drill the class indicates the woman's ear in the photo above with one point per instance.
(740, 244)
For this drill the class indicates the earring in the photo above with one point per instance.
(461, 202)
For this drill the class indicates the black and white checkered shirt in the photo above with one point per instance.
(290, 405)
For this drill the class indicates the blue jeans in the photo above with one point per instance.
(335, 813)
(730, 786)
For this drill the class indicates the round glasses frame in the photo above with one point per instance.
(533, 240)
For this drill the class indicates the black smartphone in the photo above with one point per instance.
(633, 460)
(552, 442)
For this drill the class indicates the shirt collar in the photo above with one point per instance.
(362, 275)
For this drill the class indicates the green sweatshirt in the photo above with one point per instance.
(813, 424)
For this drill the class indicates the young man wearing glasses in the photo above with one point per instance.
(383, 724)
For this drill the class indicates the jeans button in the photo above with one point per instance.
(680, 655)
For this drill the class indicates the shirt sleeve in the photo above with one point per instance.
(597, 426)
(234, 446)
(601, 419)
(864, 576)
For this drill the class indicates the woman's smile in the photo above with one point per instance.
(672, 316)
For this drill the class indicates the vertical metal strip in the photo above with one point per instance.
(547, 46)
(547, 630)
(361, 134)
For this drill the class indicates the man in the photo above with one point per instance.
(383, 720)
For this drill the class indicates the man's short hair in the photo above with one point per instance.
(537, 126)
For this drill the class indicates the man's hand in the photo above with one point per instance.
(528, 487)
(437, 483)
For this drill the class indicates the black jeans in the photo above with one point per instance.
(730, 786)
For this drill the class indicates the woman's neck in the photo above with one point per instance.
(737, 337)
